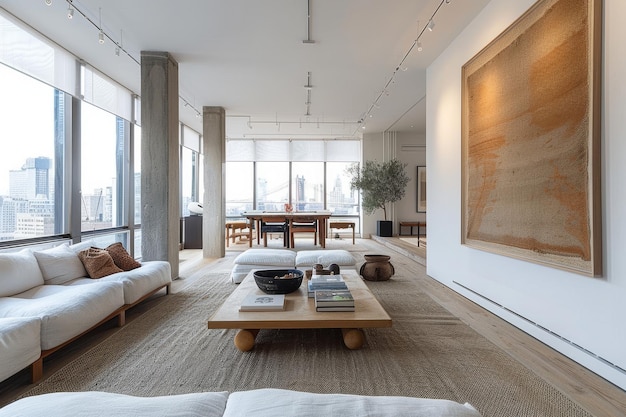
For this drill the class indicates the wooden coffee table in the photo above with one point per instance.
(300, 313)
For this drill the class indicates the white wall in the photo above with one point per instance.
(589, 312)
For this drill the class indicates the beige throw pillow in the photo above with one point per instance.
(98, 262)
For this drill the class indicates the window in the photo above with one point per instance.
(341, 199)
(102, 158)
(239, 188)
(33, 117)
(272, 185)
(308, 186)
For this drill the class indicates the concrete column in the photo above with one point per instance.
(214, 202)
(160, 211)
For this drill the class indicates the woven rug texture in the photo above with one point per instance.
(427, 353)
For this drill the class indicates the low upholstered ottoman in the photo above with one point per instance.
(261, 259)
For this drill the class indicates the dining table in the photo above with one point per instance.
(321, 216)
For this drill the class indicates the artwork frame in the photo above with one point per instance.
(421, 190)
(531, 115)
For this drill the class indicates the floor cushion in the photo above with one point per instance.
(252, 259)
(325, 257)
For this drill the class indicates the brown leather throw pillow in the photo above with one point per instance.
(121, 257)
(98, 263)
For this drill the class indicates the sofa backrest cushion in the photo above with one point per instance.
(59, 265)
(19, 272)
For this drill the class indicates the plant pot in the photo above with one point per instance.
(377, 268)
(384, 228)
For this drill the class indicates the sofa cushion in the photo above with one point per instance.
(20, 344)
(98, 262)
(19, 271)
(59, 265)
(137, 282)
(121, 257)
(325, 257)
(92, 404)
(278, 402)
(65, 311)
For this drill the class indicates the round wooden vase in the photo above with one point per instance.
(377, 268)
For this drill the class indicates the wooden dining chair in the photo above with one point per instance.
(275, 224)
(302, 225)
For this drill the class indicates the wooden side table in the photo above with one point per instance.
(342, 225)
(238, 229)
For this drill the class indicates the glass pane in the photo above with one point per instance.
(272, 185)
(137, 175)
(308, 186)
(187, 191)
(27, 189)
(239, 188)
(98, 167)
(341, 199)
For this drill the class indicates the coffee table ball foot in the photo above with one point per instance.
(244, 339)
(353, 338)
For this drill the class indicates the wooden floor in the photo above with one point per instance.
(593, 393)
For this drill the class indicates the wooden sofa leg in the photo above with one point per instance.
(168, 289)
(121, 318)
(36, 370)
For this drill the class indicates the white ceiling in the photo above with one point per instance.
(249, 57)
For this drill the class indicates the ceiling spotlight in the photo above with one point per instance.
(431, 25)
(48, 2)
(70, 12)
(101, 34)
(448, 1)
(117, 51)
(419, 47)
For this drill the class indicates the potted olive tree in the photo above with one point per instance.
(380, 184)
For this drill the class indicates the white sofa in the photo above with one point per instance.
(262, 258)
(20, 344)
(254, 403)
(50, 289)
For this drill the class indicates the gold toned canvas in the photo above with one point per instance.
(531, 139)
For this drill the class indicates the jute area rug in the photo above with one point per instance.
(427, 353)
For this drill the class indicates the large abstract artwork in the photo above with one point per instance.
(531, 139)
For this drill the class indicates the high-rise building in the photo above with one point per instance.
(32, 180)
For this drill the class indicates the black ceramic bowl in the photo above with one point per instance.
(278, 281)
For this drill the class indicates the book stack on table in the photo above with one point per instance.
(334, 300)
(325, 282)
